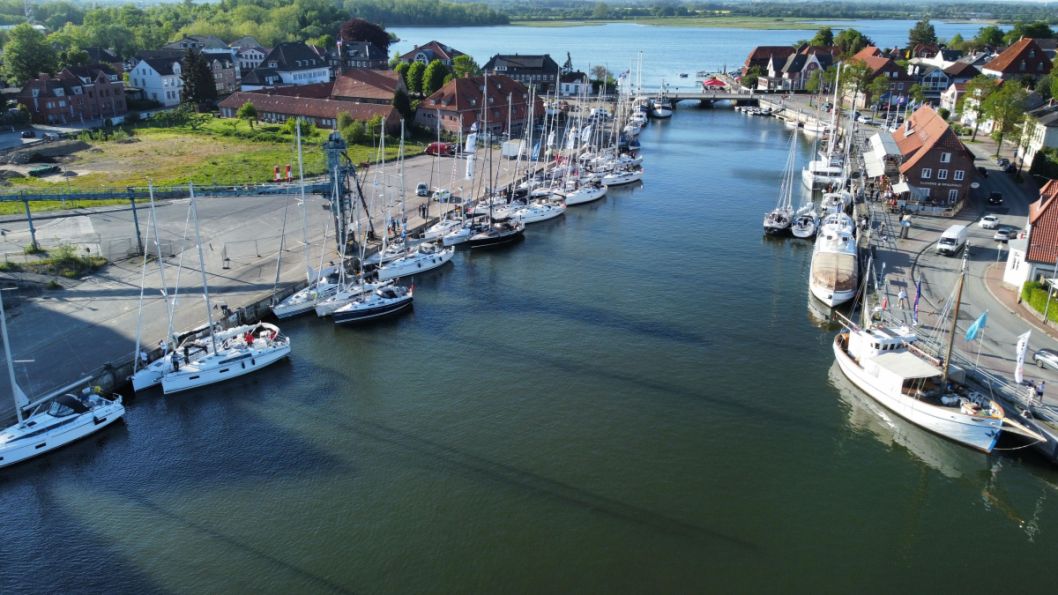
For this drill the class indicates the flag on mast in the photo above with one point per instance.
(1023, 345)
(975, 328)
(918, 296)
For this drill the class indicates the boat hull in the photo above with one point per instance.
(978, 433)
(371, 314)
(187, 379)
(413, 266)
(493, 241)
(87, 424)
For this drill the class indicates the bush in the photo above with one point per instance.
(1034, 294)
(944, 113)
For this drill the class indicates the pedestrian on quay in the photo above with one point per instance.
(1039, 392)
(902, 299)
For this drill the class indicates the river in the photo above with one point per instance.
(634, 399)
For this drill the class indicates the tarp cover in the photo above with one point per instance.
(906, 365)
(875, 164)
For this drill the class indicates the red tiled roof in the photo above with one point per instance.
(464, 95)
(307, 106)
(314, 91)
(924, 131)
(366, 84)
(867, 52)
(1043, 239)
(1017, 51)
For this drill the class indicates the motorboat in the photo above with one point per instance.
(833, 274)
(383, 302)
(258, 348)
(424, 257)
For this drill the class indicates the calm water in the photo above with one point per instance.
(636, 398)
(667, 51)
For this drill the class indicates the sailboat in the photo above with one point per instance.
(224, 358)
(53, 422)
(885, 363)
(383, 302)
(778, 220)
(832, 276)
(829, 169)
(323, 283)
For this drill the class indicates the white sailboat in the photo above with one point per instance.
(424, 257)
(257, 348)
(778, 220)
(828, 170)
(886, 364)
(832, 277)
(53, 422)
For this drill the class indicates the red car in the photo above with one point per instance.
(442, 149)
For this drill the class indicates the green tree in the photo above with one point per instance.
(465, 65)
(414, 77)
(855, 77)
(27, 54)
(199, 86)
(248, 112)
(922, 33)
(850, 41)
(1006, 108)
(977, 92)
(72, 57)
(394, 60)
(824, 37)
(344, 120)
(433, 77)
(600, 11)
(402, 103)
(1039, 29)
(814, 82)
(988, 36)
(402, 70)
(355, 133)
(878, 87)
(916, 94)
(751, 77)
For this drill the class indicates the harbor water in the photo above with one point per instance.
(637, 398)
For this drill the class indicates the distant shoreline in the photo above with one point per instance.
(759, 23)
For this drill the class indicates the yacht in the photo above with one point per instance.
(832, 277)
(259, 347)
(424, 257)
(383, 302)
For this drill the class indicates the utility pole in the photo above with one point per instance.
(1050, 288)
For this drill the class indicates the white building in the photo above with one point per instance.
(289, 63)
(160, 80)
(1041, 132)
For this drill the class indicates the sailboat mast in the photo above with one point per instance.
(954, 322)
(304, 206)
(20, 397)
(202, 269)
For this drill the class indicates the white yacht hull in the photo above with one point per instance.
(830, 297)
(414, 264)
(618, 179)
(975, 432)
(304, 300)
(87, 424)
(210, 371)
(585, 194)
(439, 229)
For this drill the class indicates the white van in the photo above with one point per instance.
(952, 240)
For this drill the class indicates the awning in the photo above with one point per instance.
(883, 144)
(713, 83)
(901, 188)
(875, 164)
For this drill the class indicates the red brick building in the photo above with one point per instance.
(1024, 58)
(323, 112)
(77, 94)
(460, 102)
(936, 167)
(881, 65)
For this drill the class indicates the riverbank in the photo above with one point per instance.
(757, 23)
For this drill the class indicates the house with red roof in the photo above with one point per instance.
(935, 168)
(310, 102)
(1033, 256)
(1024, 58)
(881, 65)
(430, 51)
(463, 102)
(763, 54)
(77, 94)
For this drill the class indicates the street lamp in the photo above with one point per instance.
(1050, 289)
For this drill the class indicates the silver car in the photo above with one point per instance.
(1046, 358)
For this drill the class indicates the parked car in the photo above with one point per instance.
(1004, 234)
(989, 222)
(1002, 162)
(29, 133)
(442, 196)
(443, 149)
(51, 136)
(995, 198)
(423, 189)
(1046, 358)
(983, 171)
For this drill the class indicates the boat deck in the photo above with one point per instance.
(835, 271)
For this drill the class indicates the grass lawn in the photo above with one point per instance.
(701, 22)
(220, 151)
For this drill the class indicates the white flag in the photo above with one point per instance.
(571, 139)
(471, 144)
(585, 134)
(551, 139)
(470, 167)
(1023, 345)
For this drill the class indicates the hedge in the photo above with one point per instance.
(1034, 294)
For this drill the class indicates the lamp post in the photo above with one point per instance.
(1050, 288)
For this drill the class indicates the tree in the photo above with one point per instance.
(414, 77)
(814, 82)
(878, 87)
(402, 70)
(72, 57)
(355, 133)
(916, 94)
(199, 86)
(600, 11)
(1039, 29)
(344, 120)
(361, 30)
(957, 43)
(465, 66)
(749, 81)
(248, 112)
(824, 37)
(433, 77)
(922, 33)
(989, 36)
(394, 60)
(855, 77)
(402, 103)
(977, 91)
(850, 41)
(1006, 108)
(27, 54)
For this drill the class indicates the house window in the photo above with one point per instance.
(959, 175)
(953, 195)
(945, 157)
(942, 174)
(926, 174)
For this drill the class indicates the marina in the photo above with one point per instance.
(647, 373)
